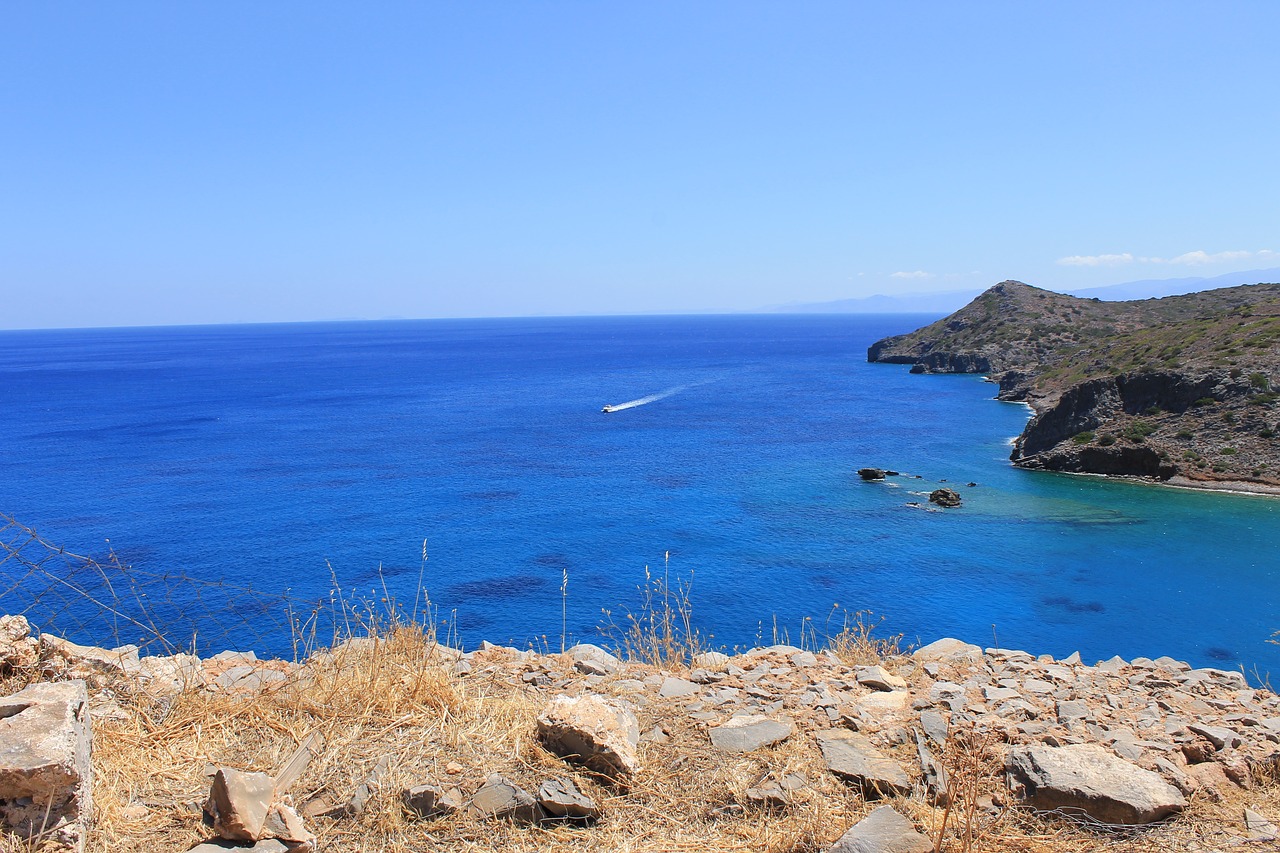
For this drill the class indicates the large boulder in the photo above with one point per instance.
(1089, 778)
(854, 759)
(600, 734)
(46, 780)
(871, 473)
(882, 831)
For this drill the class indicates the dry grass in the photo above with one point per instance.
(397, 700)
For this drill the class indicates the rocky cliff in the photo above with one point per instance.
(1176, 389)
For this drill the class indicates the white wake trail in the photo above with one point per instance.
(652, 398)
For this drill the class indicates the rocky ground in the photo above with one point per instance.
(396, 743)
(1176, 389)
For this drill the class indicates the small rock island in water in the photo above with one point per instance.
(1177, 389)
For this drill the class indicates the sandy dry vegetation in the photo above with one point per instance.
(400, 703)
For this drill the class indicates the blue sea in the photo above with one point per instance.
(303, 459)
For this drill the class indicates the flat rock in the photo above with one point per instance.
(948, 650)
(711, 660)
(501, 798)
(593, 660)
(750, 732)
(882, 831)
(1259, 828)
(851, 756)
(598, 733)
(1091, 779)
(878, 678)
(674, 688)
(562, 799)
(84, 661)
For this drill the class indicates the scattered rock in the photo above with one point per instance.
(593, 660)
(1088, 778)
(1259, 828)
(949, 650)
(882, 831)
(46, 779)
(562, 799)
(878, 678)
(674, 688)
(71, 660)
(431, 801)
(598, 733)
(750, 732)
(852, 757)
(238, 804)
(711, 660)
(945, 497)
(18, 649)
(502, 799)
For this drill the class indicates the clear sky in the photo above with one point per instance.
(235, 161)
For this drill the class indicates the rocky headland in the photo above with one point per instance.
(1177, 390)
(396, 743)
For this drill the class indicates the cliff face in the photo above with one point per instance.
(1160, 388)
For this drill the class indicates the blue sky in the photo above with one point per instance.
(204, 163)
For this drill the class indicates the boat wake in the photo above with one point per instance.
(652, 398)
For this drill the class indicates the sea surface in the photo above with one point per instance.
(311, 461)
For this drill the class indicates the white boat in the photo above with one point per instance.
(607, 409)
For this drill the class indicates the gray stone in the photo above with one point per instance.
(238, 803)
(593, 660)
(501, 798)
(750, 732)
(882, 831)
(852, 757)
(167, 675)
(949, 650)
(802, 660)
(431, 801)
(46, 780)
(1073, 709)
(1217, 735)
(935, 726)
(878, 678)
(871, 473)
(1088, 778)
(1259, 828)
(599, 733)
(711, 660)
(674, 688)
(562, 799)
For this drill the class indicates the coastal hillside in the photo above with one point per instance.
(1178, 389)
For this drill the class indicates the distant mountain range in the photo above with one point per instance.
(952, 300)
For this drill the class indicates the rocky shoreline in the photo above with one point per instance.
(888, 747)
(1175, 390)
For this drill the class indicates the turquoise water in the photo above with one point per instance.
(287, 456)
